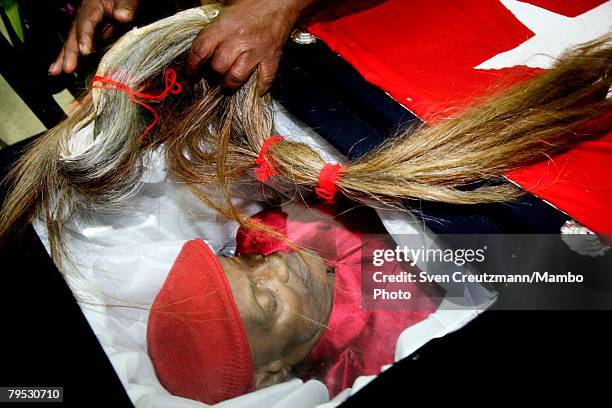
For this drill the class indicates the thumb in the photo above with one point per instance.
(125, 10)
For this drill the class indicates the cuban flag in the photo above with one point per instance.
(436, 58)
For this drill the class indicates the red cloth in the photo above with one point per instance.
(358, 340)
(578, 182)
(423, 54)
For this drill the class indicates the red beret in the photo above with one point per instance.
(195, 336)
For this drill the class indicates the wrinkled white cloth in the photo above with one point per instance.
(120, 262)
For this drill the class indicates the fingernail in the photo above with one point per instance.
(51, 68)
(123, 13)
(82, 49)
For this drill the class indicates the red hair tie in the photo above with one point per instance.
(172, 87)
(328, 177)
(265, 169)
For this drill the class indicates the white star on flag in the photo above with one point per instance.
(554, 33)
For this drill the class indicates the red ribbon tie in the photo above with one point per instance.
(171, 87)
(265, 169)
(328, 177)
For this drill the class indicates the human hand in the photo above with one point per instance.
(80, 38)
(247, 34)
